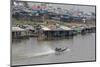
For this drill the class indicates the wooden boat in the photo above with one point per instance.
(60, 49)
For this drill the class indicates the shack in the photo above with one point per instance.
(31, 30)
(18, 32)
(54, 31)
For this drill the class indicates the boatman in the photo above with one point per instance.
(84, 20)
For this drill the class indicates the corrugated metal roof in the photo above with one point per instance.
(17, 29)
(65, 27)
(29, 27)
(45, 28)
(61, 27)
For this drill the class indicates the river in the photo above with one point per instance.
(32, 51)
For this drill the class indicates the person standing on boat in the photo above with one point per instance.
(84, 20)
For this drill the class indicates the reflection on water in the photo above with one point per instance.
(32, 51)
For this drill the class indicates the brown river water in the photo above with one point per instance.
(32, 51)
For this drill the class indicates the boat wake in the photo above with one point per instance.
(40, 54)
(43, 50)
(45, 53)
